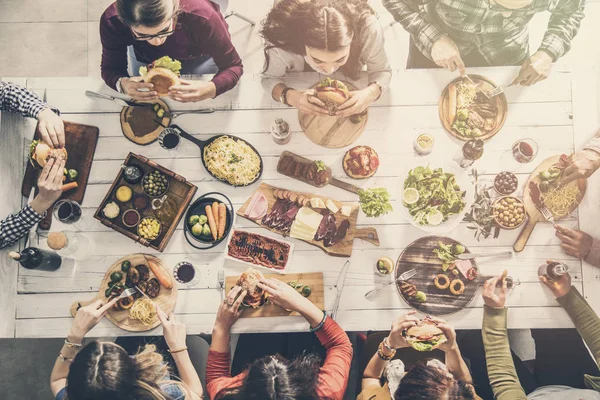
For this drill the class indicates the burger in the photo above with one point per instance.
(333, 93)
(162, 73)
(425, 336)
(248, 281)
(40, 153)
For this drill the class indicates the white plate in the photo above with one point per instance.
(462, 179)
(271, 270)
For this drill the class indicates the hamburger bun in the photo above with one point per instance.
(425, 336)
(255, 296)
(40, 153)
(162, 79)
(333, 93)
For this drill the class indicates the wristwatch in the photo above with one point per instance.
(283, 97)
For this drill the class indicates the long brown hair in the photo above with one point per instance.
(104, 370)
(424, 381)
(148, 13)
(328, 25)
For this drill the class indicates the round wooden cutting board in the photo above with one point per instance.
(533, 214)
(141, 124)
(332, 132)
(419, 255)
(166, 298)
(501, 104)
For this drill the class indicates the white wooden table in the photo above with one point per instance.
(36, 303)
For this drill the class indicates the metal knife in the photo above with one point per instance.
(118, 100)
(339, 286)
(471, 256)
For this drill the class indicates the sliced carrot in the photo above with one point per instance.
(160, 274)
(222, 219)
(212, 224)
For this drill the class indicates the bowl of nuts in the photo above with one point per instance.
(149, 228)
(155, 184)
(509, 212)
(506, 183)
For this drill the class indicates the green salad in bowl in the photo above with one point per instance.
(432, 196)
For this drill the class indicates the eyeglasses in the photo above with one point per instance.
(159, 35)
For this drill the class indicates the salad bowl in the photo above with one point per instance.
(445, 195)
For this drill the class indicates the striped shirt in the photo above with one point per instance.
(498, 33)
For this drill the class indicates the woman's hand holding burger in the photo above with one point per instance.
(230, 309)
(50, 185)
(192, 91)
(449, 332)
(306, 102)
(131, 87)
(396, 337)
(52, 128)
(359, 101)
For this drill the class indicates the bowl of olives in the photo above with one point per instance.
(509, 212)
(506, 183)
(155, 184)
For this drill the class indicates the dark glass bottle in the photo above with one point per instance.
(34, 258)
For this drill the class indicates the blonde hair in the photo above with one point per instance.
(103, 370)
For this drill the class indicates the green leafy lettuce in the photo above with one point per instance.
(375, 202)
(438, 190)
(164, 62)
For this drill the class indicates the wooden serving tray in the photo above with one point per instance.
(80, 144)
(166, 298)
(533, 214)
(501, 104)
(312, 279)
(141, 125)
(344, 247)
(419, 255)
(180, 190)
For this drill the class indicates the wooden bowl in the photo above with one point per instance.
(500, 224)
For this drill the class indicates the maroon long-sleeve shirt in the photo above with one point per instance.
(200, 30)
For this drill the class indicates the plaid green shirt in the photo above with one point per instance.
(499, 34)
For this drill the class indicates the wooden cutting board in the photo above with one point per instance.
(80, 144)
(141, 125)
(419, 255)
(312, 279)
(501, 104)
(533, 214)
(166, 298)
(332, 132)
(344, 247)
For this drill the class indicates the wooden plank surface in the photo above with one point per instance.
(544, 112)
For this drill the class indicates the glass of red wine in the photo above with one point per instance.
(67, 211)
(524, 150)
(186, 273)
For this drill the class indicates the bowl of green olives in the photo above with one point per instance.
(155, 184)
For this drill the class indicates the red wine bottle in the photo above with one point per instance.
(34, 258)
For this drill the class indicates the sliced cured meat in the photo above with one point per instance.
(258, 250)
(340, 234)
(258, 206)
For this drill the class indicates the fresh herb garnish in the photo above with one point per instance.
(234, 159)
(481, 216)
(320, 166)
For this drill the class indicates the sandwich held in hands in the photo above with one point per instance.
(333, 93)
(50, 185)
(425, 335)
(40, 153)
(248, 281)
(162, 74)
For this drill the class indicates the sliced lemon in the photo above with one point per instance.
(435, 217)
(410, 195)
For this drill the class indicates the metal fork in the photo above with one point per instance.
(404, 277)
(546, 213)
(495, 91)
(127, 293)
(221, 279)
(467, 77)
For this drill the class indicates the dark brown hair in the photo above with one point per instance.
(328, 25)
(427, 382)
(275, 378)
(148, 13)
(104, 370)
